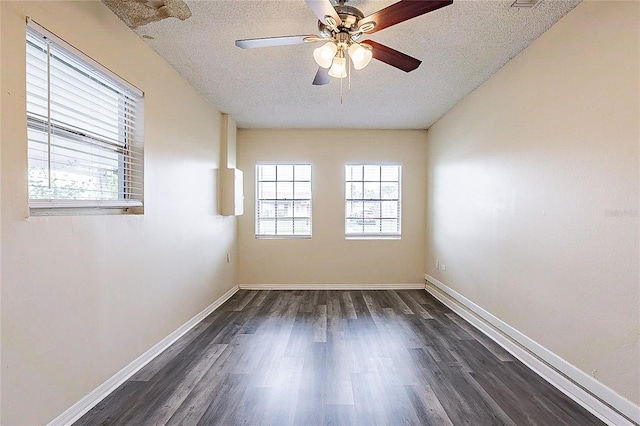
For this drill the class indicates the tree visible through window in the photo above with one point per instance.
(372, 200)
(283, 200)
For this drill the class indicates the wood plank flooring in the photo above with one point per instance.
(335, 358)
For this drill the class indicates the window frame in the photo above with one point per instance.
(258, 219)
(373, 235)
(126, 149)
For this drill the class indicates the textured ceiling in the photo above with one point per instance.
(460, 45)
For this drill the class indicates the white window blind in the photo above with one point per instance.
(283, 200)
(84, 129)
(372, 200)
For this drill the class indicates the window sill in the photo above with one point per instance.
(283, 237)
(373, 237)
(78, 207)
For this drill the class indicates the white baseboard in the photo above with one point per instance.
(411, 286)
(597, 398)
(81, 407)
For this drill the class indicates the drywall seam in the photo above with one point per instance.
(81, 407)
(410, 286)
(593, 395)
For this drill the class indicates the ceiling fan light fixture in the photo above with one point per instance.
(360, 56)
(324, 55)
(339, 66)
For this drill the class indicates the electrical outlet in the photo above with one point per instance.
(437, 264)
(443, 267)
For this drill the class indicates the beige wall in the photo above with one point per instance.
(328, 257)
(82, 296)
(534, 189)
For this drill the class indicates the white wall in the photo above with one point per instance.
(82, 296)
(534, 193)
(1, 91)
(327, 258)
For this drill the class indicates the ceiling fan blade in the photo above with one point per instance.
(402, 11)
(324, 8)
(252, 43)
(393, 57)
(322, 77)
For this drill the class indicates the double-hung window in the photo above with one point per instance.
(84, 129)
(372, 200)
(283, 202)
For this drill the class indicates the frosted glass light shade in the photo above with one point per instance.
(324, 55)
(339, 67)
(360, 56)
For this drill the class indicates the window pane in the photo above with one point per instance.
(302, 209)
(372, 209)
(389, 191)
(284, 209)
(267, 190)
(354, 226)
(302, 227)
(389, 173)
(354, 173)
(371, 173)
(266, 227)
(285, 172)
(285, 227)
(302, 172)
(372, 190)
(353, 190)
(389, 225)
(389, 209)
(285, 190)
(371, 226)
(302, 190)
(267, 209)
(266, 172)
(355, 209)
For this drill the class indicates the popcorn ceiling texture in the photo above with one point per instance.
(461, 46)
(135, 13)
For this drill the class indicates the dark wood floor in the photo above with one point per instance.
(336, 357)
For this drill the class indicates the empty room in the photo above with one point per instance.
(301, 212)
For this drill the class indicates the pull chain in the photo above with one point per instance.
(349, 70)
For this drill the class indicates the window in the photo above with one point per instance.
(84, 142)
(283, 201)
(372, 198)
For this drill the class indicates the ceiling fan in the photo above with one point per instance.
(341, 27)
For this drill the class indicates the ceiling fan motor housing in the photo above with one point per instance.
(350, 17)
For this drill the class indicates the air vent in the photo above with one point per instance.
(525, 4)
